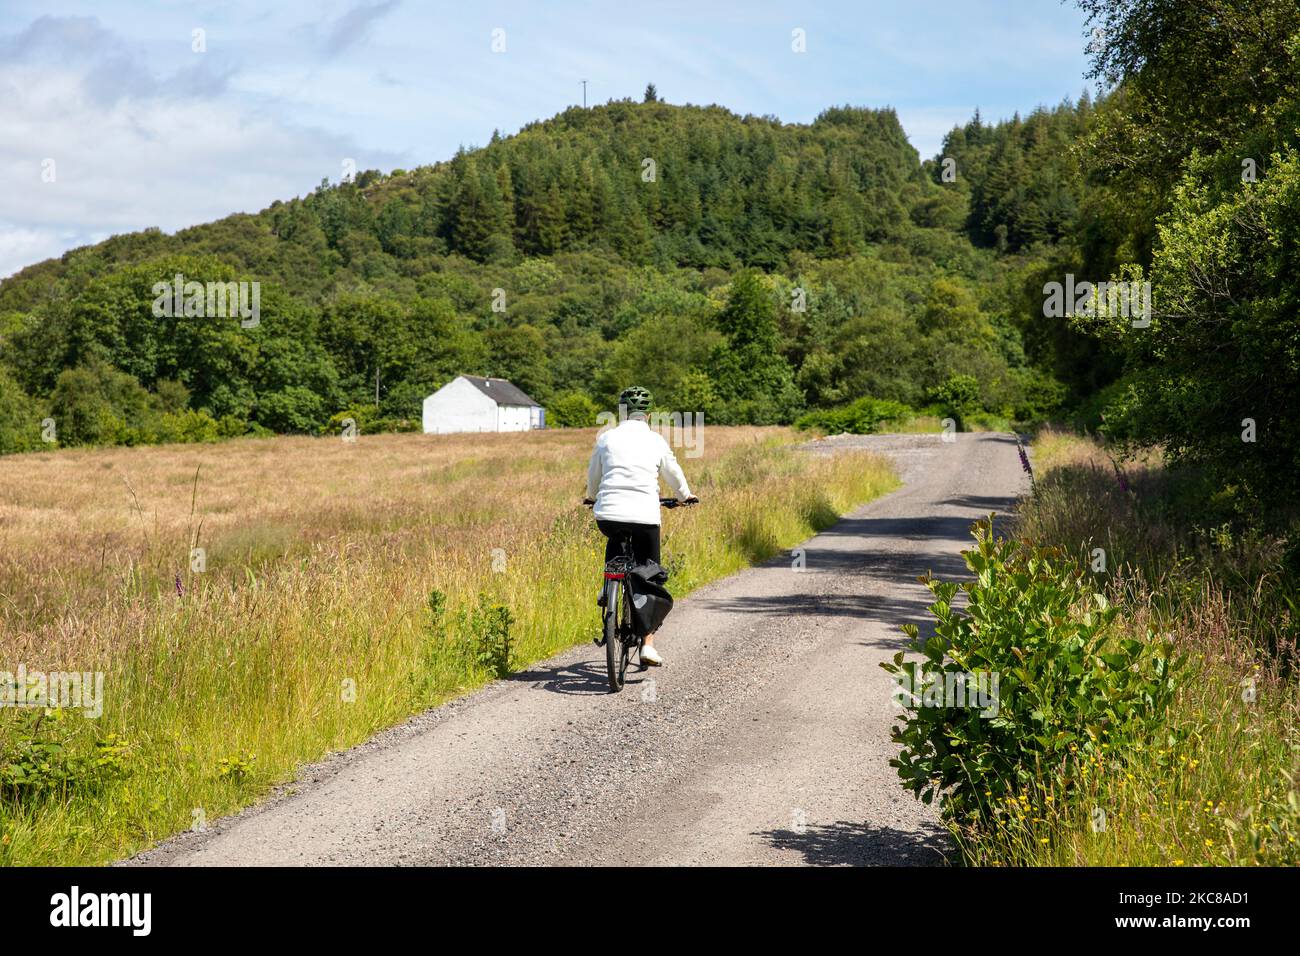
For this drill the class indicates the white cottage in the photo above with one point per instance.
(471, 404)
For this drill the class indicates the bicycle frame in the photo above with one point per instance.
(617, 634)
(616, 587)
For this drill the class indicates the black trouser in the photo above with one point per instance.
(645, 539)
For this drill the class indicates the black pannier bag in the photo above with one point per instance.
(651, 601)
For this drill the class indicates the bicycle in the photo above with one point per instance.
(617, 633)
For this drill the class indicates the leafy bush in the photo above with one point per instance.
(959, 395)
(861, 417)
(237, 767)
(45, 755)
(1069, 686)
(20, 418)
(95, 404)
(572, 410)
(292, 409)
(364, 417)
(186, 425)
(488, 626)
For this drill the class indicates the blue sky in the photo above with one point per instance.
(145, 131)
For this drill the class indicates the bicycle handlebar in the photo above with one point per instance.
(666, 502)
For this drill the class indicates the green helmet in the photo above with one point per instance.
(635, 399)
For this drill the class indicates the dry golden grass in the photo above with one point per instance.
(310, 627)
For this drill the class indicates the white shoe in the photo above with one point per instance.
(650, 657)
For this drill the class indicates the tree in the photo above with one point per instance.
(20, 418)
(753, 379)
(518, 353)
(95, 404)
(572, 410)
(651, 94)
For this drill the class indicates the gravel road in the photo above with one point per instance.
(764, 741)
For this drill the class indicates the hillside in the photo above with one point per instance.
(631, 241)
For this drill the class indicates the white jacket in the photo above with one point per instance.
(623, 476)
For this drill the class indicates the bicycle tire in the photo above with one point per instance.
(625, 633)
(615, 653)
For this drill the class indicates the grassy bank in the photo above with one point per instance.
(1208, 778)
(337, 588)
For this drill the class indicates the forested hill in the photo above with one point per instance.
(631, 241)
(653, 183)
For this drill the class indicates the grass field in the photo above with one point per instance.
(1220, 785)
(258, 603)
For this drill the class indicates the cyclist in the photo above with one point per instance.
(623, 483)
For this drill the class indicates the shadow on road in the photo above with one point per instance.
(1000, 506)
(892, 609)
(860, 844)
(584, 678)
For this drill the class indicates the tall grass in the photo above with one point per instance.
(1221, 784)
(344, 587)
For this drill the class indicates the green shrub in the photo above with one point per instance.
(186, 425)
(47, 753)
(364, 417)
(488, 626)
(572, 410)
(1069, 686)
(959, 396)
(861, 417)
(294, 408)
(95, 404)
(20, 418)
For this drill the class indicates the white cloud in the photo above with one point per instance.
(21, 246)
(129, 148)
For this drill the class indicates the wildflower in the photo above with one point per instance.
(1024, 460)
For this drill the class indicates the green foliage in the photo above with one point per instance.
(52, 753)
(572, 410)
(959, 396)
(1069, 684)
(1023, 183)
(237, 767)
(487, 627)
(863, 417)
(95, 404)
(752, 379)
(1205, 138)
(364, 417)
(546, 258)
(20, 417)
(293, 409)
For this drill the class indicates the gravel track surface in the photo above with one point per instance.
(764, 741)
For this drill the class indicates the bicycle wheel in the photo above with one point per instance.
(615, 652)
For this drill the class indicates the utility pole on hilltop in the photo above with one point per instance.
(584, 94)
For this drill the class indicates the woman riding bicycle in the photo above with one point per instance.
(623, 482)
